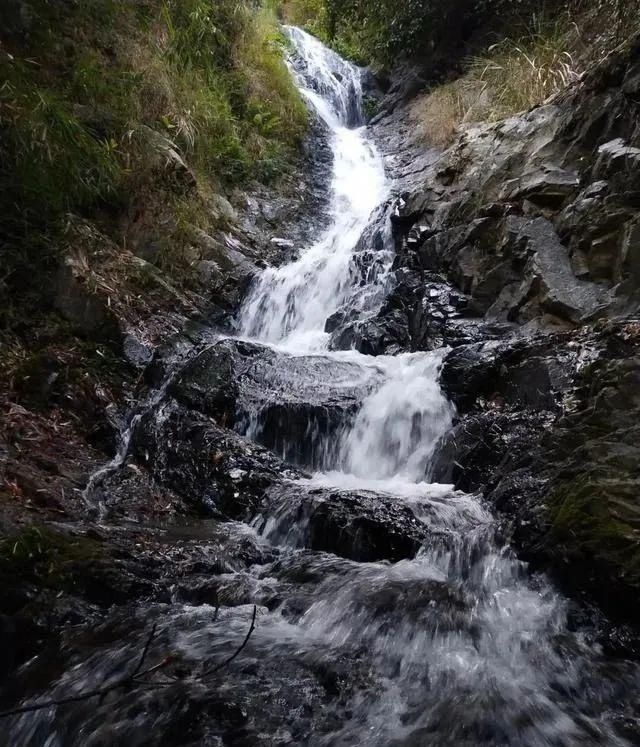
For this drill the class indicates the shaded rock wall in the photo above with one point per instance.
(519, 248)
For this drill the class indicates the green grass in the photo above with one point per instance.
(547, 54)
(100, 100)
(521, 73)
(46, 557)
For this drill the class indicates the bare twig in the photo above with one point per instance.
(165, 662)
(145, 650)
(100, 692)
(228, 661)
(134, 678)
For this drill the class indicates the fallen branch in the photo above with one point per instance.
(134, 678)
(145, 650)
(100, 692)
(228, 661)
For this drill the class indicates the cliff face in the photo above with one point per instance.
(518, 247)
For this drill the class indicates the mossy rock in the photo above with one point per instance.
(593, 504)
(46, 558)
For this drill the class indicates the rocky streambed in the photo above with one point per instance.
(398, 505)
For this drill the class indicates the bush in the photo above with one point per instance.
(100, 99)
(518, 73)
(385, 31)
(523, 73)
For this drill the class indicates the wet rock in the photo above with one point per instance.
(550, 438)
(364, 529)
(359, 526)
(373, 336)
(483, 447)
(206, 548)
(210, 381)
(86, 311)
(130, 492)
(136, 351)
(293, 405)
(298, 405)
(527, 372)
(469, 373)
(214, 469)
(225, 266)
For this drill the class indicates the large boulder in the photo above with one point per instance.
(361, 526)
(214, 469)
(209, 381)
(293, 405)
(548, 432)
(535, 218)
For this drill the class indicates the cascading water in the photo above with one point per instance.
(291, 304)
(458, 647)
(489, 659)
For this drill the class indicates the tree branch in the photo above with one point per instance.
(135, 677)
(228, 661)
(99, 692)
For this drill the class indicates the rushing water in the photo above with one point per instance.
(489, 659)
(458, 647)
(291, 304)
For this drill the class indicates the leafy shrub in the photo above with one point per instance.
(517, 73)
(381, 32)
(99, 101)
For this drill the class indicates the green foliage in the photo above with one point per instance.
(45, 557)
(100, 100)
(521, 73)
(380, 32)
(57, 161)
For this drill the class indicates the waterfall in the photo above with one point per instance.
(400, 421)
(481, 665)
(450, 641)
(290, 305)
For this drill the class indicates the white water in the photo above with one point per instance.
(401, 421)
(486, 668)
(291, 304)
(400, 424)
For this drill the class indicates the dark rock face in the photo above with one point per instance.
(209, 382)
(548, 432)
(530, 222)
(518, 247)
(214, 469)
(87, 313)
(359, 526)
(294, 405)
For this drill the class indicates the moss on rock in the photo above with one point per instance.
(46, 558)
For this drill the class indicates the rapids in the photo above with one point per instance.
(460, 646)
(490, 659)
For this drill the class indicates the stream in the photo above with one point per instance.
(460, 645)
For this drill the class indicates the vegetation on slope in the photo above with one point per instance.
(495, 57)
(384, 31)
(106, 104)
(526, 69)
